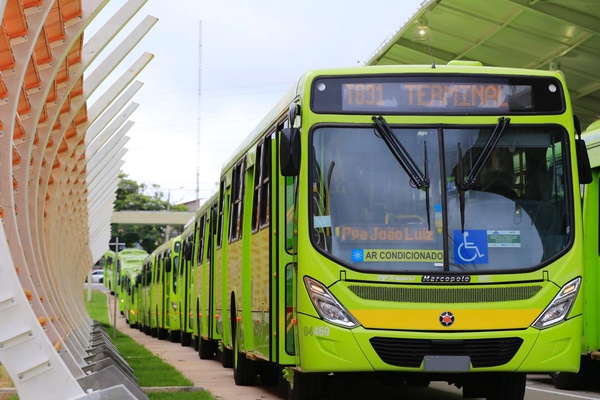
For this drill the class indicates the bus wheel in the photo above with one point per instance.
(283, 386)
(417, 381)
(269, 373)
(307, 386)
(162, 333)
(175, 336)
(206, 349)
(186, 339)
(566, 380)
(507, 386)
(244, 369)
(227, 357)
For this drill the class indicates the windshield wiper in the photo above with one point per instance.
(471, 179)
(487, 150)
(461, 193)
(417, 178)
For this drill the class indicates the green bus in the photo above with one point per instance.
(590, 351)
(146, 289)
(129, 294)
(127, 259)
(130, 267)
(108, 265)
(418, 222)
(165, 302)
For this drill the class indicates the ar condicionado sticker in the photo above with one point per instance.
(387, 255)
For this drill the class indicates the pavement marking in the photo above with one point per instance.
(575, 396)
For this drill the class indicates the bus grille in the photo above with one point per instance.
(410, 352)
(445, 295)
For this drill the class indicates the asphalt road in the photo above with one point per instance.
(539, 387)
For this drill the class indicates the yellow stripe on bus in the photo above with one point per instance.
(463, 319)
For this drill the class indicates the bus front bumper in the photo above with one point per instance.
(327, 348)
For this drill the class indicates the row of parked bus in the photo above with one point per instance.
(351, 236)
(120, 270)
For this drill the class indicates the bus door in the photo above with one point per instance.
(283, 297)
(209, 302)
(591, 234)
(167, 281)
(220, 268)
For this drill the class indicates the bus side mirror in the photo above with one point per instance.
(289, 151)
(583, 162)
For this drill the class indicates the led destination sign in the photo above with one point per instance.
(419, 95)
(459, 95)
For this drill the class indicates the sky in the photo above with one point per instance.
(219, 66)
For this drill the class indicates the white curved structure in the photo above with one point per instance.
(59, 165)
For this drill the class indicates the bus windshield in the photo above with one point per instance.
(371, 213)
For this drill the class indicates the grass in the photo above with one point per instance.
(6, 382)
(149, 369)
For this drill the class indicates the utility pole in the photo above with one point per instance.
(116, 296)
(199, 115)
(168, 227)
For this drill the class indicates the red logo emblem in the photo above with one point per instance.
(446, 318)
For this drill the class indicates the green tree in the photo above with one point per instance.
(131, 196)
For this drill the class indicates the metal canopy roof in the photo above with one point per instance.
(538, 34)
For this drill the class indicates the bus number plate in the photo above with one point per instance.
(447, 363)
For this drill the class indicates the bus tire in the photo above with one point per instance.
(175, 336)
(186, 339)
(269, 373)
(307, 386)
(507, 386)
(244, 370)
(206, 349)
(283, 386)
(566, 380)
(227, 357)
(417, 381)
(162, 333)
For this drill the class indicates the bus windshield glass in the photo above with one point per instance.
(370, 212)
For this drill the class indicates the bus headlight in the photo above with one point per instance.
(559, 307)
(327, 305)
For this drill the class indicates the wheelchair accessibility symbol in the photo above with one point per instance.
(470, 246)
